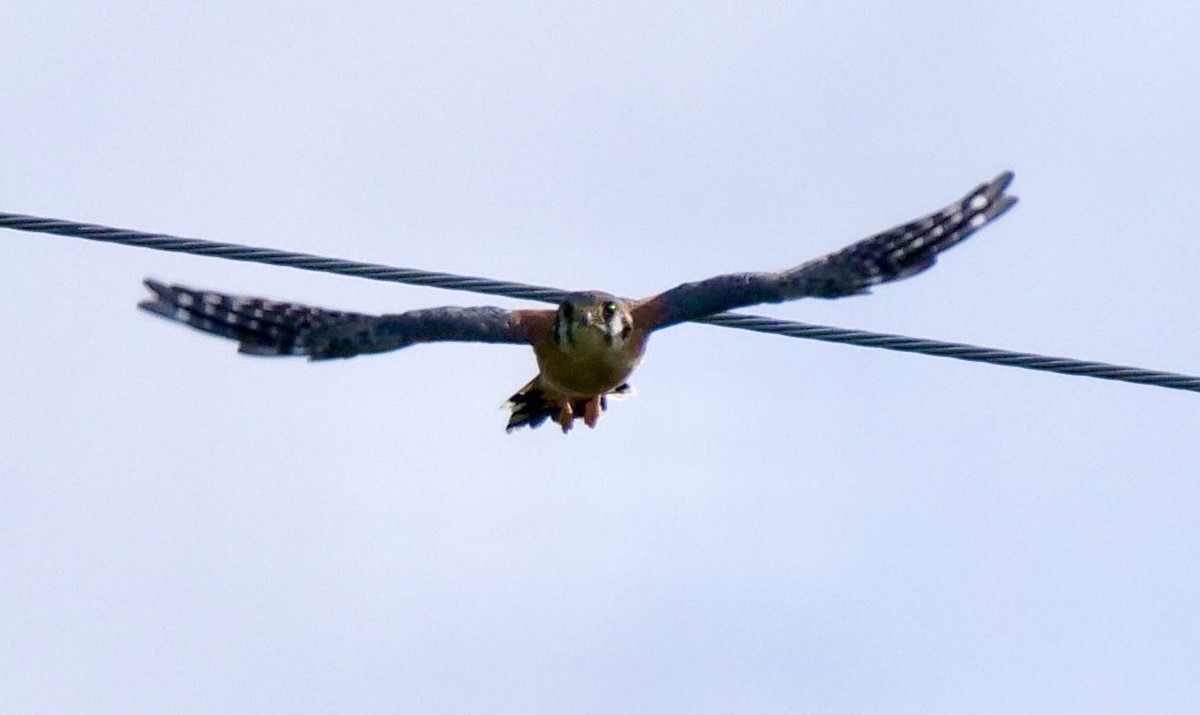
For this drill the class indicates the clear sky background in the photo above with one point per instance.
(771, 525)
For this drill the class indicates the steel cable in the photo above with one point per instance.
(508, 289)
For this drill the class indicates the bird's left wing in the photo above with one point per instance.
(266, 327)
(891, 255)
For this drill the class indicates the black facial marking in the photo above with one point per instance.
(564, 324)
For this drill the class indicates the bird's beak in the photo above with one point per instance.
(585, 319)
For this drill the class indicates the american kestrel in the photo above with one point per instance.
(587, 347)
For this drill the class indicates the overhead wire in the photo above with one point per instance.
(509, 289)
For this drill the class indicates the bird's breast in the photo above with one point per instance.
(589, 367)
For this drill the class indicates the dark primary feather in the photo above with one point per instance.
(888, 256)
(266, 327)
(901, 251)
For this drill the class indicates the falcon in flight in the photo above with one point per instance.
(587, 347)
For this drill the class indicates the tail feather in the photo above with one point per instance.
(261, 327)
(531, 407)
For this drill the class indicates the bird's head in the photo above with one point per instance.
(592, 320)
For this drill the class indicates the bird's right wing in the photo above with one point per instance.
(267, 327)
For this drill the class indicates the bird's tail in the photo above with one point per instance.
(261, 327)
(531, 406)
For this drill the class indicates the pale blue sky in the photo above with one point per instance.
(771, 525)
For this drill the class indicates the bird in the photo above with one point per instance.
(588, 346)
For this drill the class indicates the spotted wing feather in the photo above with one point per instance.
(888, 256)
(267, 327)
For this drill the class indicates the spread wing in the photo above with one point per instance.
(266, 327)
(894, 254)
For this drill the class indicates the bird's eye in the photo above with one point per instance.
(610, 309)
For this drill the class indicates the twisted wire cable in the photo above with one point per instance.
(508, 289)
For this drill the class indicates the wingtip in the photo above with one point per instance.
(995, 189)
(159, 303)
(155, 286)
